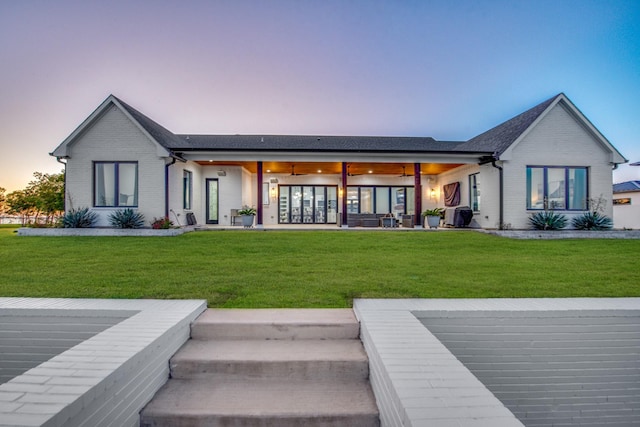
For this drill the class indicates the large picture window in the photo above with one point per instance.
(381, 199)
(559, 188)
(115, 184)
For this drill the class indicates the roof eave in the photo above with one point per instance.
(335, 156)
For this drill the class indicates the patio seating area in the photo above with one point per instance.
(379, 220)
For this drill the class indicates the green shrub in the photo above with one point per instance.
(126, 218)
(246, 210)
(547, 220)
(161, 223)
(592, 221)
(433, 212)
(79, 218)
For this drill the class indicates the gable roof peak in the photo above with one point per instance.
(500, 137)
(503, 137)
(160, 136)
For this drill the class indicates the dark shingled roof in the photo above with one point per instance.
(498, 139)
(625, 187)
(317, 143)
(162, 135)
(494, 141)
(175, 142)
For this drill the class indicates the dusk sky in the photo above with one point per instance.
(447, 69)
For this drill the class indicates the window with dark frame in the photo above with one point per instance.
(302, 204)
(474, 192)
(115, 184)
(557, 188)
(187, 189)
(381, 199)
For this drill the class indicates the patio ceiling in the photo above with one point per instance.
(332, 168)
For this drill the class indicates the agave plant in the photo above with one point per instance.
(592, 221)
(79, 218)
(547, 220)
(126, 218)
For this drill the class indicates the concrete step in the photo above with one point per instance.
(284, 359)
(262, 402)
(276, 324)
(265, 368)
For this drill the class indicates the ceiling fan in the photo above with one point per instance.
(293, 171)
(351, 174)
(404, 173)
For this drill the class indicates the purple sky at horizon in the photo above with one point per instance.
(446, 69)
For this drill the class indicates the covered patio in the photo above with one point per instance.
(341, 193)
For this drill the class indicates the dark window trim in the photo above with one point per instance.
(288, 192)
(566, 187)
(471, 191)
(187, 203)
(375, 194)
(208, 220)
(116, 197)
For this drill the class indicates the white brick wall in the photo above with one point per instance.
(419, 382)
(558, 140)
(231, 190)
(627, 216)
(177, 213)
(105, 380)
(113, 137)
(488, 178)
(28, 340)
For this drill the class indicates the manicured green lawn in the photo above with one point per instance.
(315, 269)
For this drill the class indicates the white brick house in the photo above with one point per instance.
(549, 157)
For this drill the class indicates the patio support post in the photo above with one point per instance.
(259, 190)
(344, 195)
(418, 194)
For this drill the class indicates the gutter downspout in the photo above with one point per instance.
(501, 214)
(166, 186)
(64, 184)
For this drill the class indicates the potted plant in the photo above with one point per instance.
(247, 215)
(433, 216)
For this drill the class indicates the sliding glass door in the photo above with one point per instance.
(307, 204)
